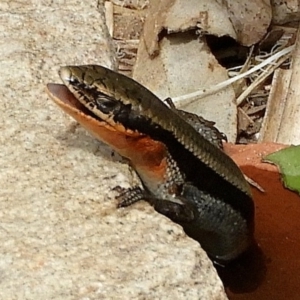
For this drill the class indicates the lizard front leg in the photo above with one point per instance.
(181, 211)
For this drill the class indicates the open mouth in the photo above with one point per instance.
(61, 95)
(117, 136)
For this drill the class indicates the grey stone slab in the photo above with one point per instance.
(61, 236)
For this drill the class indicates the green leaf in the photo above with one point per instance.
(288, 161)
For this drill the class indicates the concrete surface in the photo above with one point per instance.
(61, 236)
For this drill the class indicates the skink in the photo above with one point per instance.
(185, 174)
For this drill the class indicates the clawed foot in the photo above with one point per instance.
(128, 196)
(178, 212)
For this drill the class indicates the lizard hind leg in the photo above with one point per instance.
(177, 212)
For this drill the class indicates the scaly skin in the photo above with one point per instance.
(185, 175)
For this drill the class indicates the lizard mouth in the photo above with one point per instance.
(117, 136)
(62, 96)
(68, 102)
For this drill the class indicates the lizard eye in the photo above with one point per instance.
(106, 104)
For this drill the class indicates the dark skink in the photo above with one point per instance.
(185, 175)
